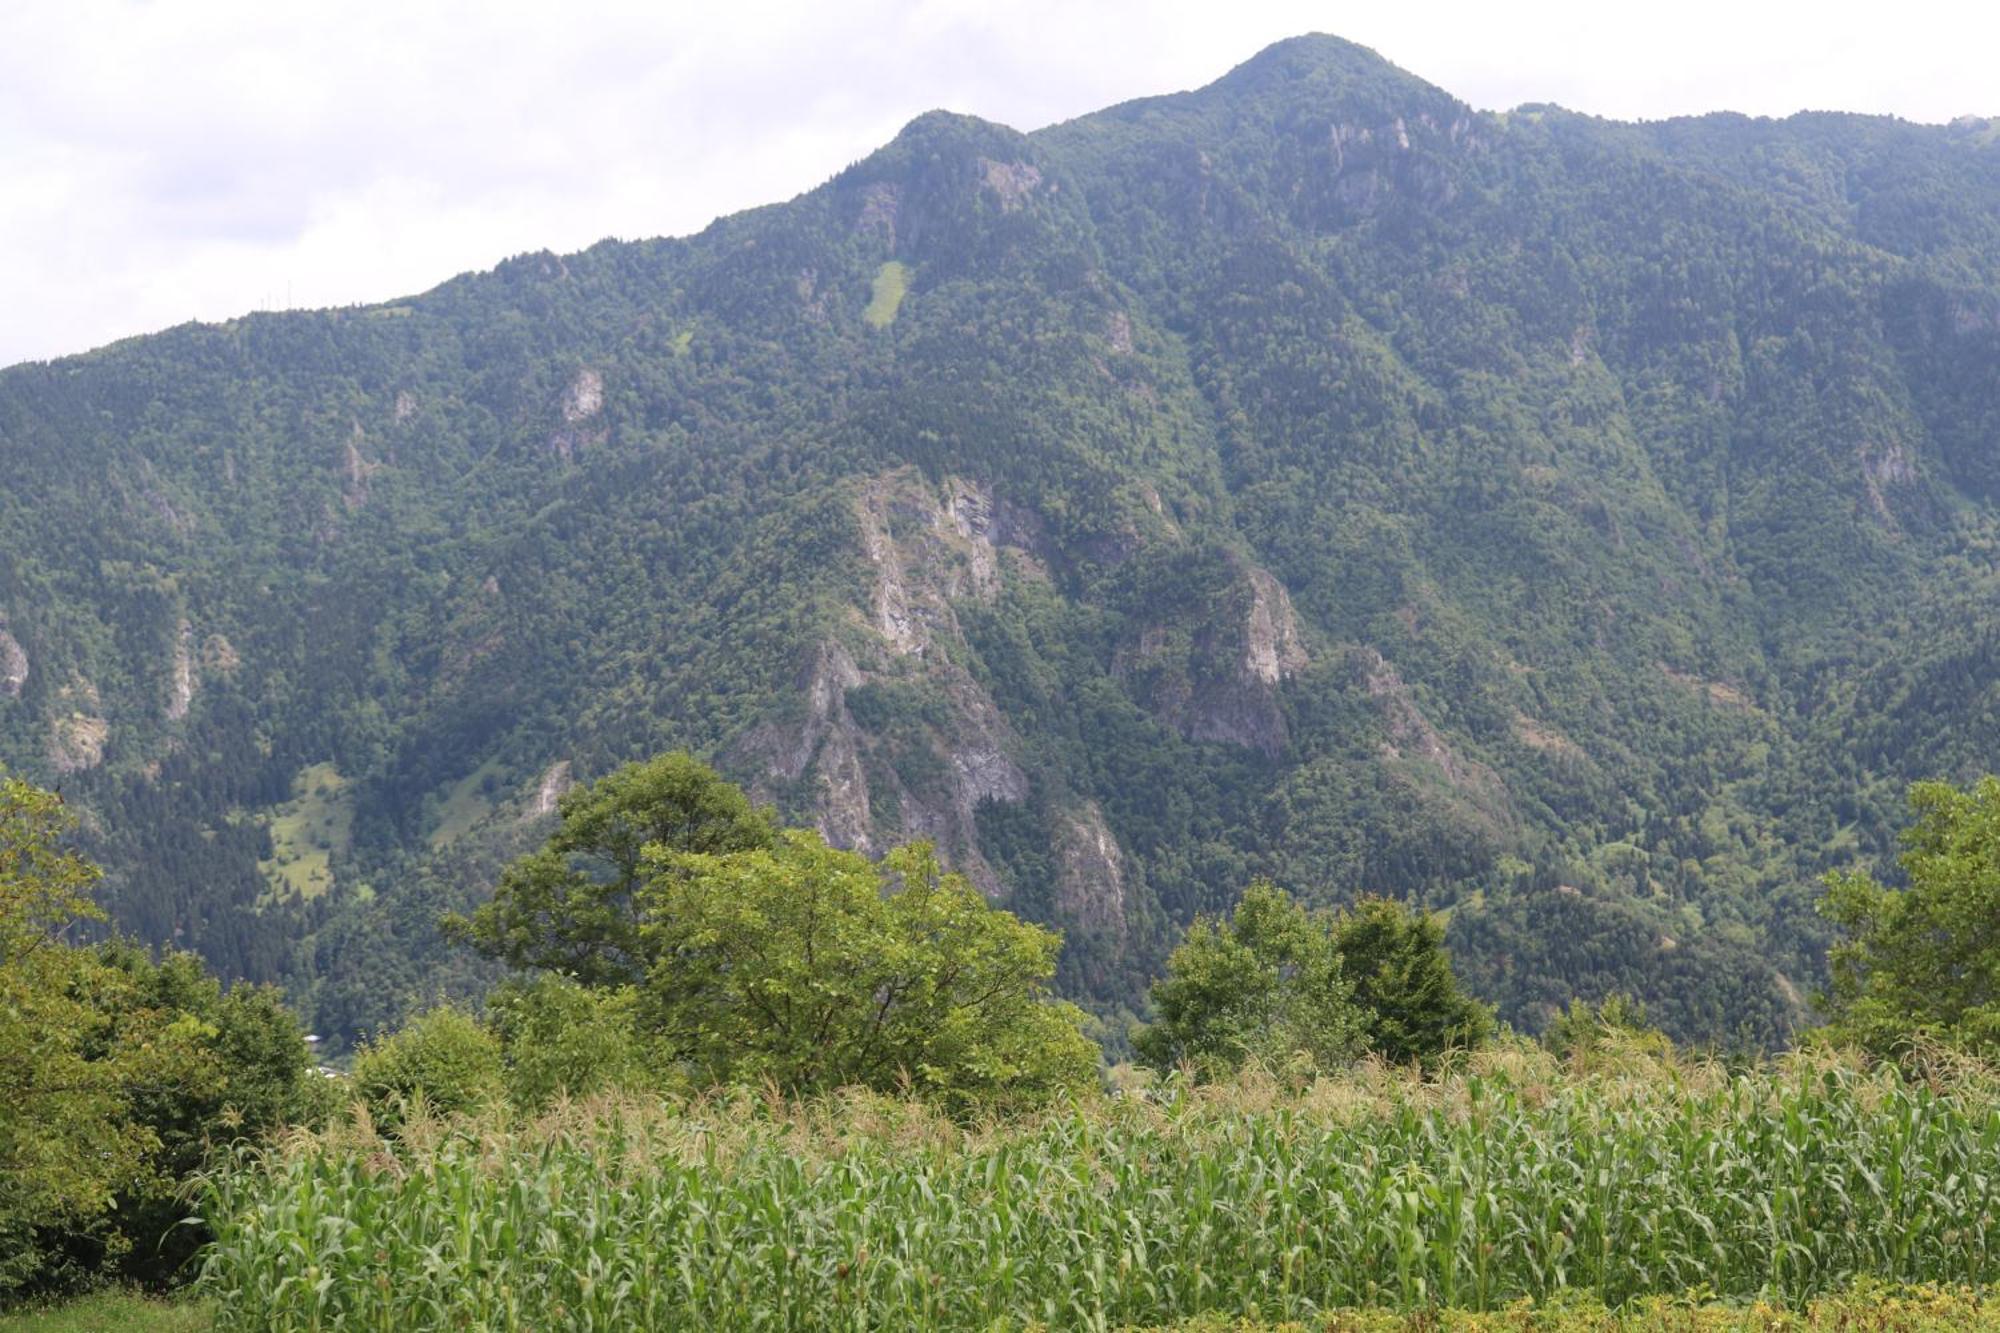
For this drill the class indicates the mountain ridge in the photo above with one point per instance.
(1304, 476)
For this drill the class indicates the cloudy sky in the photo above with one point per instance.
(162, 160)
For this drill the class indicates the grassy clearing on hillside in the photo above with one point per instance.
(1507, 1181)
(464, 805)
(892, 283)
(308, 831)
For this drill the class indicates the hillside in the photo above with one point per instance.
(1586, 528)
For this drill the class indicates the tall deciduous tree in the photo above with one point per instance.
(1923, 962)
(573, 906)
(1276, 982)
(760, 955)
(1267, 982)
(117, 1073)
(815, 968)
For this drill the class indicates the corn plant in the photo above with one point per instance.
(1503, 1183)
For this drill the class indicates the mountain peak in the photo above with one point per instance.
(1317, 61)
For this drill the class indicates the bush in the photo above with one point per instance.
(561, 1039)
(444, 1056)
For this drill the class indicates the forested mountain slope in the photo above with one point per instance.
(1585, 527)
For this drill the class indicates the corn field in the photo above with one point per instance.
(1508, 1180)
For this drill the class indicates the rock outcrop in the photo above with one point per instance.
(555, 781)
(1090, 879)
(1217, 678)
(78, 734)
(581, 404)
(13, 664)
(929, 547)
(184, 679)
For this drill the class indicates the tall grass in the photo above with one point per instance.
(1507, 1179)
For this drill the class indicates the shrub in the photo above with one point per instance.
(444, 1056)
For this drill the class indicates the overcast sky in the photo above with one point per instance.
(162, 160)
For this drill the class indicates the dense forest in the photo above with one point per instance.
(1585, 530)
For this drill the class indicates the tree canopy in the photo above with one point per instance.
(1923, 962)
(759, 955)
(119, 1073)
(1278, 982)
(574, 905)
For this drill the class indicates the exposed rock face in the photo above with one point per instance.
(1012, 181)
(929, 550)
(77, 738)
(826, 744)
(1090, 884)
(1413, 738)
(184, 680)
(555, 781)
(356, 469)
(1720, 692)
(812, 299)
(880, 203)
(1218, 680)
(584, 398)
(13, 664)
(582, 402)
(406, 406)
(1884, 467)
(1118, 331)
(1271, 647)
(1540, 736)
(219, 655)
(930, 547)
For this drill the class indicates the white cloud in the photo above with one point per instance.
(200, 158)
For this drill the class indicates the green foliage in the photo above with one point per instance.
(561, 1039)
(573, 906)
(120, 1076)
(814, 969)
(1922, 963)
(1403, 984)
(1266, 984)
(111, 1312)
(1584, 1030)
(442, 1060)
(892, 283)
(731, 952)
(1280, 983)
(1614, 508)
(1509, 1180)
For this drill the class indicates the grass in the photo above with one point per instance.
(111, 1312)
(464, 805)
(307, 832)
(1512, 1180)
(1918, 1310)
(892, 284)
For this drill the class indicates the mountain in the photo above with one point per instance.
(1585, 528)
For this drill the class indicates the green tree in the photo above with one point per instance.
(443, 1056)
(237, 1068)
(814, 968)
(572, 907)
(119, 1074)
(65, 1147)
(1923, 962)
(760, 955)
(562, 1039)
(1618, 1021)
(1403, 982)
(1266, 983)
